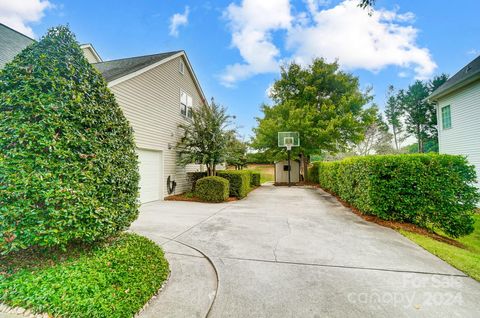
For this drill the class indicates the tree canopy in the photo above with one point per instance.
(324, 104)
(419, 113)
(68, 169)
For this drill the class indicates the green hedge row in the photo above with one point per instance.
(212, 189)
(254, 178)
(239, 181)
(429, 190)
(312, 175)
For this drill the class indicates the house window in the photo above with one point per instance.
(190, 112)
(181, 67)
(186, 104)
(183, 103)
(446, 117)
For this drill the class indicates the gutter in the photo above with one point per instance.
(435, 96)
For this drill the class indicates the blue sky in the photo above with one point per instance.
(236, 47)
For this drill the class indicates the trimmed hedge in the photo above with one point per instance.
(254, 178)
(312, 175)
(239, 181)
(193, 177)
(212, 189)
(429, 190)
(68, 169)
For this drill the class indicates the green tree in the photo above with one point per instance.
(377, 139)
(206, 139)
(68, 169)
(420, 114)
(393, 113)
(366, 3)
(237, 152)
(322, 103)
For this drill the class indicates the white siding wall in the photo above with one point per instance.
(151, 102)
(464, 136)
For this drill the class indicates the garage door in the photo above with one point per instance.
(150, 167)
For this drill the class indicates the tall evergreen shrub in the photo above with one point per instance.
(68, 167)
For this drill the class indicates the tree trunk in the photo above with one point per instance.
(420, 141)
(210, 170)
(305, 160)
(395, 137)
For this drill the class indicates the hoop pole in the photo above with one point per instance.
(289, 167)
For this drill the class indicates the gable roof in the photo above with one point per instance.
(89, 46)
(11, 43)
(466, 75)
(117, 71)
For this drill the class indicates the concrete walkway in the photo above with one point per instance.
(296, 252)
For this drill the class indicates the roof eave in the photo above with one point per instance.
(437, 95)
(128, 76)
(92, 49)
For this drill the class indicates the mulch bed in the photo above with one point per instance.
(395, 224)
(183, 197)
(297, 184)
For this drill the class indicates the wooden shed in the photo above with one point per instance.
(281, 171)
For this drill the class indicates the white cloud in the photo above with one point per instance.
(361, 41)
(177, 20)
(18, 14)
(473, 52)
(252, 24)
(344, 32)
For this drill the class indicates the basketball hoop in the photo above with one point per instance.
(288, 142)
(288, 139)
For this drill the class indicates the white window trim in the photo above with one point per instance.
(181, 104)
(188, 105)
(181, 67)
(450, 117)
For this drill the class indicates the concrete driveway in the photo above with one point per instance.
(296, 252)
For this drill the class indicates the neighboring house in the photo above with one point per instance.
(11, 43)
(156, 93)
(458, 114)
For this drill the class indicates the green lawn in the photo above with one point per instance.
(112, 279)
(266, 171)
(465, 259)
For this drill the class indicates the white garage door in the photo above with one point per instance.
(151, 181)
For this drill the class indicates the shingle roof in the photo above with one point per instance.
(466, 75)
(11, 43)
(111, 70)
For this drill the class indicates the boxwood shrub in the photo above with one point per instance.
(212, 189)
(429, 190)
(254, 178)
(192, 177)
(68, 168)
(239, 181)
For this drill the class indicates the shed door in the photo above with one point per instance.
(151, 170)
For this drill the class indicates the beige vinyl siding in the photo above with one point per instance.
(151, 102)
(463, 138)
(89, 55)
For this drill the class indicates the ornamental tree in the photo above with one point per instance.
(68, 168)
(207, 137)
